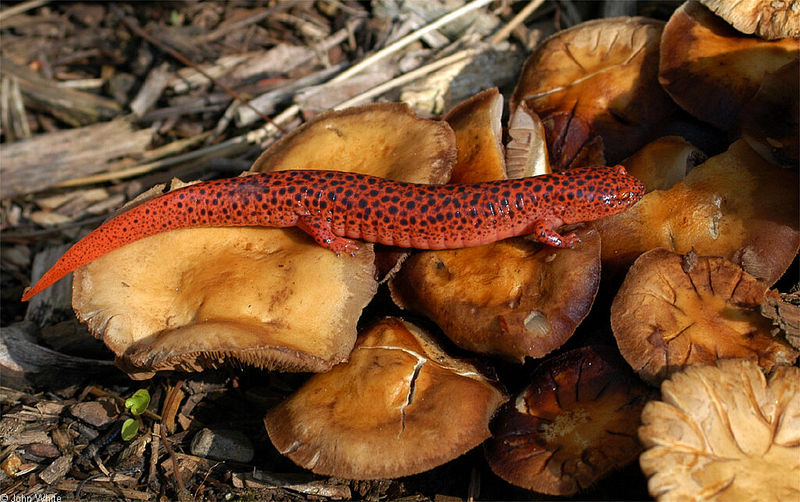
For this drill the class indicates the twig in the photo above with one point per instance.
(516, 21)
(411, 37)
(408, 77)
(20, 8)
(133, 25)
(248, 20)
(154, 445)
(181, 486)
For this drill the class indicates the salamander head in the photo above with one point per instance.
(598, 192)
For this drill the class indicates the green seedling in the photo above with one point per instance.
(137, 404)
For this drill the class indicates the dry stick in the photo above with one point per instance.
(181, 486)
(134, 26)
(154, 445)
(247, 20)
(516, 21)
(20, 8)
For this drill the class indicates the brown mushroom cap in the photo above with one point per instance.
(382, 139)
(197, 298)
(574, 424)
(514, 298)
(479, 135)
(399, 406)
(601, 73)
(735, 205)
(663, 162)
(710, 69)
(770, 20)
(723, 433)
(675, 311)
(769, 121)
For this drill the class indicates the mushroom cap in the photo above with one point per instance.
(197, 298)
(663, 162)
(710, 69)
(602, 72)
(735, 205)
(674, 311)
(479, 135)
(513, 298)
(382, 139)
(399, 406)
(573, 424)
(724, 432)
(770, 20)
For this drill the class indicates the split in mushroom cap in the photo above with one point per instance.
(602, 74)
(735, 205)
(724, 433)
(399, 406)
(710, 69)
(573, 424)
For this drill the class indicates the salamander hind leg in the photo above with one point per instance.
(324, 236)
(545, 234)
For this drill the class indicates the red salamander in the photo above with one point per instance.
(335, 207)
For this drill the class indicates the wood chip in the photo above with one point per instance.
(56, 470)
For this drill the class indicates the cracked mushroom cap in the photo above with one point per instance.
(200, 298)
(399, 406)
(724, 433)
(735, 205)
(526, 151)
(600, 77)
(382, 139)
(712, 70)
(675, 311)
(515, 298)
(575, 423)
(770, 20)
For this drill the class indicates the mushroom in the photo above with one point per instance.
(573, 424)
(724, 432)
(710, 69)
(770, 20)
(383, 139)
(596, 78)
(476, 124)
(735, 205)
(526, 152)
(514, 298)
(663, 162)
(199, 298)
(399, 406)
(675, 311)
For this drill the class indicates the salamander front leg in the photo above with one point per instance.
(545, 234)
(321, 232)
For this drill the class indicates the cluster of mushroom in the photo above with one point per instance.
(700, 251)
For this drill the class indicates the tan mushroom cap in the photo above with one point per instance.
(479, 135)
(526, 151)
(663, 162)
(770, 20)
(724, 433)
(574, 424)
(382, 139)
(603, 73)
(675, 311)
(735, 205)
(198, 298)
(710, 69)
(399, 406)
(514, 298)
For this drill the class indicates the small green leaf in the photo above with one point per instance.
(130, 428)
(138, 402)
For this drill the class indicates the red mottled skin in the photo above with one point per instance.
(335, 207)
